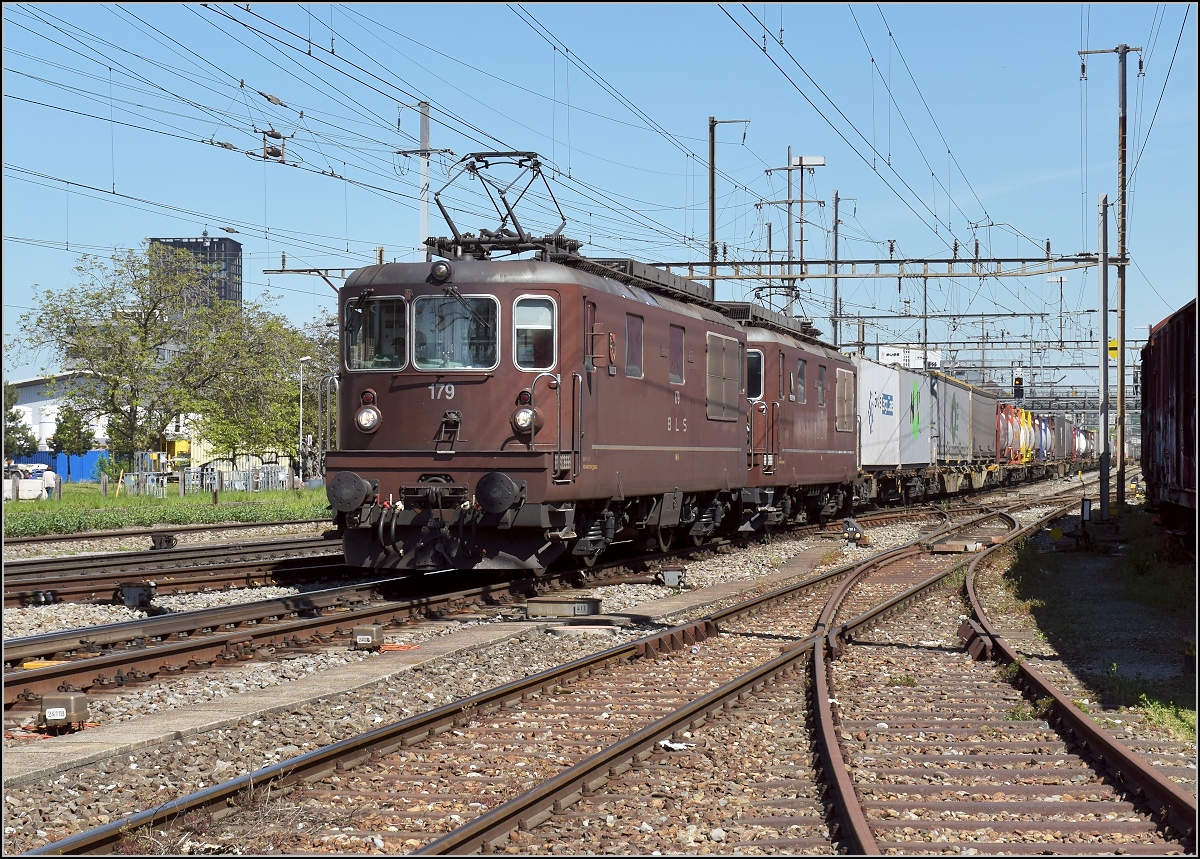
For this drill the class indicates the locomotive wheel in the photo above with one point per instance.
(589, 561)
(664, 536)
(697, 540)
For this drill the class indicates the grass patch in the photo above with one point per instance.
(1019, 712)
(1025, 569)
(903, 681)
(1167, 706)
(1009, 672)
(1179, 722)
(83, 508)
(832, 557)
(1024, 711)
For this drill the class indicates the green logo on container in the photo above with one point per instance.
(915, 405)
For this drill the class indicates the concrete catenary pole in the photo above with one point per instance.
(1102, 430)
(712, 204)
(424, 180)
(836, 312)
(1122, 50)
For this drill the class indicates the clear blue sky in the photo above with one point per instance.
(988, 133)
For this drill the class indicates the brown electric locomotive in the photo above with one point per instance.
(507, 413)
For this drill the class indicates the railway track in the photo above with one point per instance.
(596, 737)
(96, 578)
(99, 659)
(158, 533)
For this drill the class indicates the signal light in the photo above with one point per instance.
(368, 397)
(524, 398)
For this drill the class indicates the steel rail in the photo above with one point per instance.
(324, 761)
(347, 753)
(157, 529)
(1171, 805)
(206, 636)
(156, 559)
(575, 782)
(852, 819)
(106, 587)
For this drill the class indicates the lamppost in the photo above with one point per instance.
(300, 449)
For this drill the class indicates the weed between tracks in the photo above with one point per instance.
(266, 822)
(1024, 711)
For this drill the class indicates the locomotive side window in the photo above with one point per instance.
(676, 359)
(633, 346)
(802, 381)
(724, 378)
(377, 335)
(782, 392)
(820, 384)
(754, 374)
(456, 332)
(534, 333)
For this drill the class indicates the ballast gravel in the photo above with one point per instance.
(98, 793)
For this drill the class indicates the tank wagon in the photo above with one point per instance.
(1168, 454)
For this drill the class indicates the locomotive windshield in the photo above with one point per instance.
(377, 334)
(456, 332)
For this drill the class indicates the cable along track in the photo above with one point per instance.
(629, 750)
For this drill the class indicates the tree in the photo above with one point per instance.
(252, 405)
(72, 435)
(142, 333)
(19, 439)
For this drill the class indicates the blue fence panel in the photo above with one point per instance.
(82, 468)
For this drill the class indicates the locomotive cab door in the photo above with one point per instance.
(760, 417)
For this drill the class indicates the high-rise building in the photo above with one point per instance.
(225, 255)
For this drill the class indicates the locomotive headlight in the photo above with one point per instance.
(440, 271)
(368, 418)
(522, 419)
(526, 421)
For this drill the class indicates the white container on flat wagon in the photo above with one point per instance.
(917, 415)
(983, 426)
(878, 414)
(953, 430)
